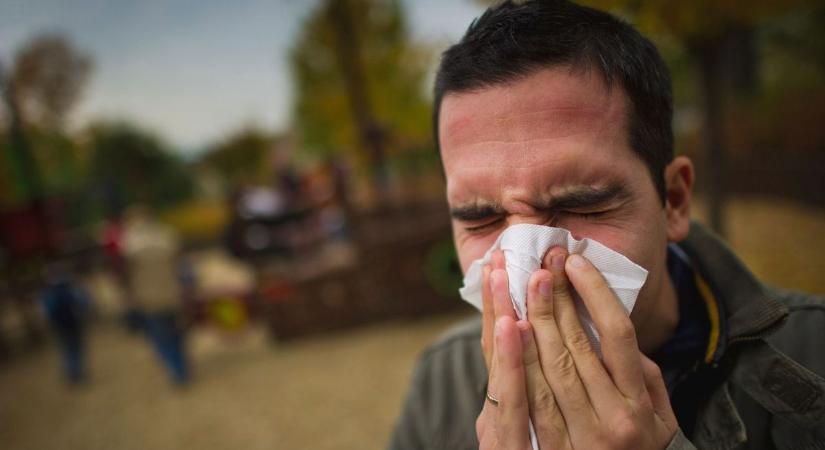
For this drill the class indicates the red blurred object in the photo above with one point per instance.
(26, 231)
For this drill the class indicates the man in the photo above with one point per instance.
(553, 114)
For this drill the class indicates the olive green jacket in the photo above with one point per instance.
(772, 397)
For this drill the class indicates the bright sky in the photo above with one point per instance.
(193, 70)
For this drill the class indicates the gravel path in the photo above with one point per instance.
(337, 391)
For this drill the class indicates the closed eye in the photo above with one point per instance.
(483, 227)
(589, 215)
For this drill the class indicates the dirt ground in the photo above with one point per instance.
(338, 391)
(335, 391)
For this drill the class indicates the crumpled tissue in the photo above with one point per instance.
(524, 246)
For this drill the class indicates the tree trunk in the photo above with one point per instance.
(370, 133)
(714, 157)
(20, 151)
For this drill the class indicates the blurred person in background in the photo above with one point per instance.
(67, 306)
(112, 241)
(554, 114)
(151, 249)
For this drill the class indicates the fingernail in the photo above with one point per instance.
(544, 288)
(576, 261)
(558, 262)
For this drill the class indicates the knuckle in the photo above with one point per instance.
(625, 432)
(485, 443)
(564, 364)
(654, 372)
(578, 341)
(623, 331)
(541, 314)
(543, 401)
(544, 398)
(531, 358)
(560, 288)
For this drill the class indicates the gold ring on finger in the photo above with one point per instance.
(491, 399)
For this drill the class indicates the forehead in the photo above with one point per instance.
(567, 124)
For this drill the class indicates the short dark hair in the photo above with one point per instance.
(515, 39)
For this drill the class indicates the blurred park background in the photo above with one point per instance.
(222, 224)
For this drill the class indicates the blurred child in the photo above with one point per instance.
(67, 308)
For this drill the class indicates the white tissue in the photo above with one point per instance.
(524, 246)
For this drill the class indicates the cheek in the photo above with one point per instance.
(635, 245)
(471, 248)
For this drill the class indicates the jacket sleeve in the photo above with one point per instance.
(411, 428)
(446, 395)
(680, 442)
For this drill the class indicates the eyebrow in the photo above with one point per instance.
(476, 211)
(588, 197)
(578, 198)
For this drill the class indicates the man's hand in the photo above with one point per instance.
(546, 368)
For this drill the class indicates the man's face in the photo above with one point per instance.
(551, 149)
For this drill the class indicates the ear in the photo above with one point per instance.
(678, 194)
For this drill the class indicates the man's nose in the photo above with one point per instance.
(537, 218)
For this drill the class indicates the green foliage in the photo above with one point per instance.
(394, 70)
(9, 190)
(133, 165)
(699, 19)
(241, 157)
(793, 51)
(55, 157)
(443, 270)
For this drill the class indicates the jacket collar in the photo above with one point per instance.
(751, 312)
(777, 383)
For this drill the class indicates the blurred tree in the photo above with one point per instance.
(18, 164)
(360, 82)
(794, 49)
(241, 157)
(45, 82)
(131, 165)
(48, 79)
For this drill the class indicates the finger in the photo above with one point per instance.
(488, 302)
(575, 339)
(655, 385)
(498, 260)
(620, 351)
(488, 316)
(501, 306)
(567, 317)
(502, 302)
(545, 335)
(487, 441)
(548, 421)
(512, 418)
(485, 427)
